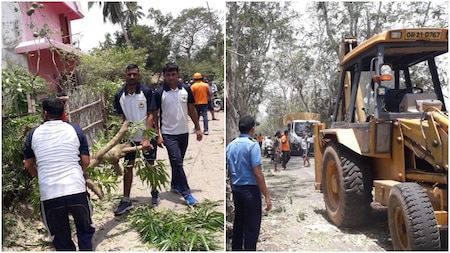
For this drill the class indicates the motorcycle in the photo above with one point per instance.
(217, 104)
(268, 151)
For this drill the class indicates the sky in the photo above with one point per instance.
(91, 30)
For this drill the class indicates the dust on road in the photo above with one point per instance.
(298, 220)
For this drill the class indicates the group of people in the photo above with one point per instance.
(247, 181)
(204, 94)
(57, 152)
(281, 149)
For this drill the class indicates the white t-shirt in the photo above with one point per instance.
(173, 106)
(56, 146)
(134, 106)
(304, 143)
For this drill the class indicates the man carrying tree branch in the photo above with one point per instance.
(57, 153)
(132, 103)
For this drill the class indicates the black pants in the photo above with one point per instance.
(285, 158)
(247, 220)
(55, 213)
(176, 146)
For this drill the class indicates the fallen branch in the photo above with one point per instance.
(111, 152)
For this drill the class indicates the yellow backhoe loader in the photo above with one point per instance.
(387, 145)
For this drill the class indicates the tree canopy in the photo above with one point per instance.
(284, 56)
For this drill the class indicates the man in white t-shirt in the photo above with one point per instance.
(172, 103)
(57, 153)
(132, 103)
(305, 147)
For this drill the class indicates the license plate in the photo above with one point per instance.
(423, 34)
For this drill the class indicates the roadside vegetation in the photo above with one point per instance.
(101, 71)
(167, 230)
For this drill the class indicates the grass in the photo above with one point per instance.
(193, 230)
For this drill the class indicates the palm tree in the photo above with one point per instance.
(132, 13)
(113, 11)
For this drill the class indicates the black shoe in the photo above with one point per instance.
(155, 198)
(124, 206)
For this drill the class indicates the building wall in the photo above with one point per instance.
(49, 18)
(23, 43)
(12, 34)
(40, 20)
(51, 71)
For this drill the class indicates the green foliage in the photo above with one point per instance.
(108, 65)
(153, 175)
(170, 231)
(157, 46)
(16, 181)
(17, 82)
(104, 177)
(192, 39)
(254, 30)
(108, 89)
(34, 198)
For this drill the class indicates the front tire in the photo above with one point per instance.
(217, 104)
(346, 186)
(412, 223)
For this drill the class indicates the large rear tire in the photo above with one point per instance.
(412, 223)
(346, 186)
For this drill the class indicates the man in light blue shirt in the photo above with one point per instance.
(247, 183)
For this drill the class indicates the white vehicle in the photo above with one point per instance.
(296, 134)
(296, 123)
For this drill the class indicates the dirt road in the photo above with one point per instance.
(298, 221)
(204, 168)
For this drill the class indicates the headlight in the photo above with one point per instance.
(386, 69)
(396, 35)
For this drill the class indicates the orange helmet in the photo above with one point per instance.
(197, 76)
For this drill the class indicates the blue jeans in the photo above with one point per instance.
(202, 110)
(176, 146)
(247, 217)
(55, 213)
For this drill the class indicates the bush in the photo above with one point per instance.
(17, 82)
(17, 182)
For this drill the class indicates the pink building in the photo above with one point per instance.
(38, 35)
